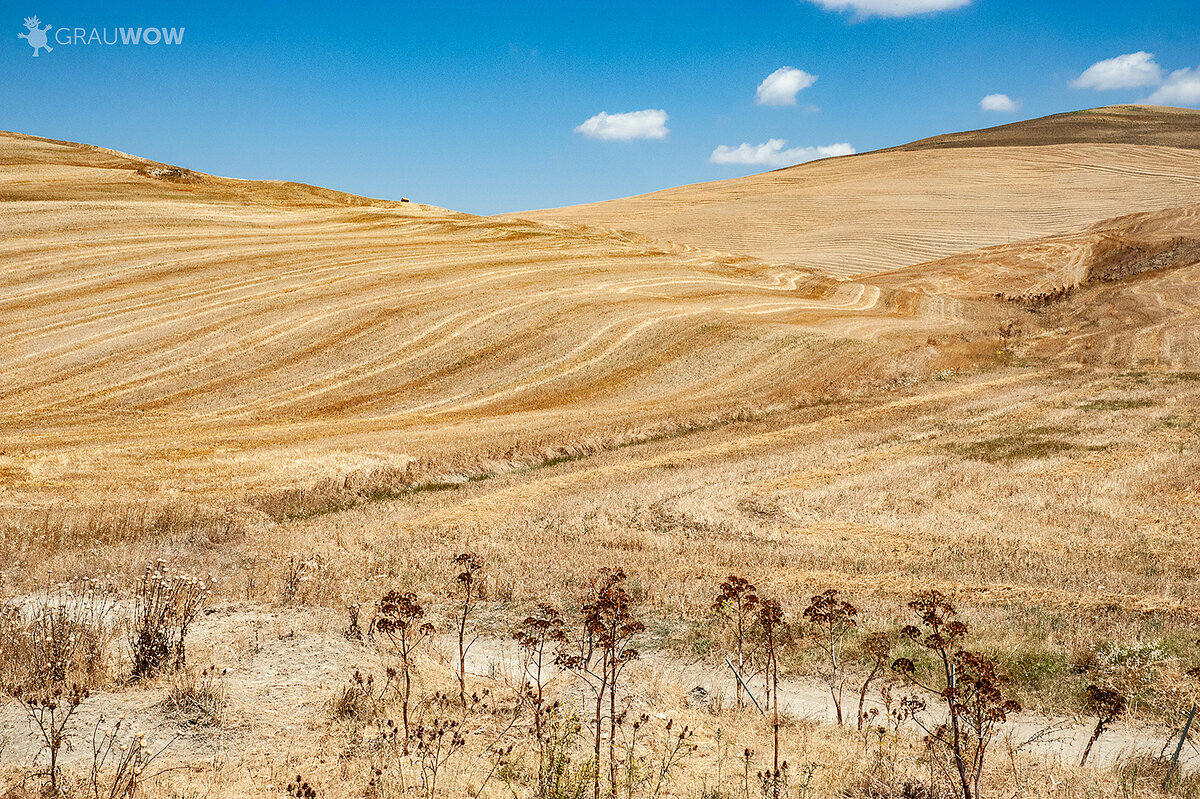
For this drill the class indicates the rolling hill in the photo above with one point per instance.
(857, 215)
(167, 331)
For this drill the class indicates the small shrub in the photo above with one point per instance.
(52, 652)
(197, 699)
(1132, 668)
(61, 636)
(164, 606)
(560, 777)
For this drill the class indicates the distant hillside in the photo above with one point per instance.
(36, 168)
(1118, 124)
(895, 208)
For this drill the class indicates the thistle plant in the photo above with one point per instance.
(834, 618)
(400, 620)
(120, 760)
(433, 744)
(469, 568)
(53, 653)
(737, 603)
(49, 709)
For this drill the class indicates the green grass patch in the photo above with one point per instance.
(1033, 442)
(1176, 422)
(1115, 404)
(557, 459)
(1038, 671)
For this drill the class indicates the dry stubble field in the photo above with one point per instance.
(317, 398)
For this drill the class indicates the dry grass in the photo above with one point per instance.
(197, 698)
(559, 399)
(417, 346)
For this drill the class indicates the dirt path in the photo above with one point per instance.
(1060, 738)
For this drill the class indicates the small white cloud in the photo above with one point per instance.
(782, 85)
(647, 124)
(891, 8)
(1182, 87)
(1123, 72)
(999, 102)
(772, 153)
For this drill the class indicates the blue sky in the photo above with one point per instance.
(475, 106)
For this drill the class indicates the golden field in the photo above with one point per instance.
(971, 364)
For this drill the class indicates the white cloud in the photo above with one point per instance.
(1182, 87)
(781, 86)
(999, 102)
(891, 8)
(1123, 72)
(772, 153)
(647, 124)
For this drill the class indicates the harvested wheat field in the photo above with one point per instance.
(240, 421)
(856, 215)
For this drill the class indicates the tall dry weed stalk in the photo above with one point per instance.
(306, 579)
(737, 604)
(967, 683)
(120, 761)
(469, 585)
(1107, 704)
(834, 618)
(772, 623)
(401, 620)
(538, 638)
